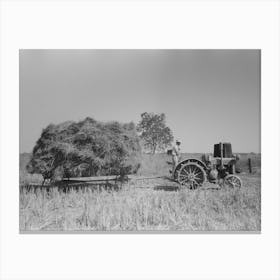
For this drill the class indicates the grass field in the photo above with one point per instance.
(155, 204)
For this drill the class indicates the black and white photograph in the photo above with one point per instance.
(139, 140)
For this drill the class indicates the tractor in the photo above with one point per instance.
(218, 168)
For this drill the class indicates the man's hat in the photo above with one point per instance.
(178, 141)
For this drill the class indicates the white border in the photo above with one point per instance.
(155, 24)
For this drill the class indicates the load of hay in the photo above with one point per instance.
(86, 148)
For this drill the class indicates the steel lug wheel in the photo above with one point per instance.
(233, 181)
(191, 175)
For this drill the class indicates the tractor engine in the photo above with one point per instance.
(221, 162)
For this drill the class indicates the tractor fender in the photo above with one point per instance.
(191, 160)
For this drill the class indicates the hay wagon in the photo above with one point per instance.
(219, 169)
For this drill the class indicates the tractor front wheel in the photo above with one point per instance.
(233, 181)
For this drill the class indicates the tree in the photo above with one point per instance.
(86, 148)
(154, 132)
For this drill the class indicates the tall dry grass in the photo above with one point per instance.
(140, 205)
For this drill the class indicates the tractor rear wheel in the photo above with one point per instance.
(191, 175)
(233, 181)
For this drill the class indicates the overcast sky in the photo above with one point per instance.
(208, 96)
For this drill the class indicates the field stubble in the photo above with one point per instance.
(143, 205)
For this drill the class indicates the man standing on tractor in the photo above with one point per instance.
(175, 154)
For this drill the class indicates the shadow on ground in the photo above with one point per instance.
(167, 185)
(166, 188)
(77, 186)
